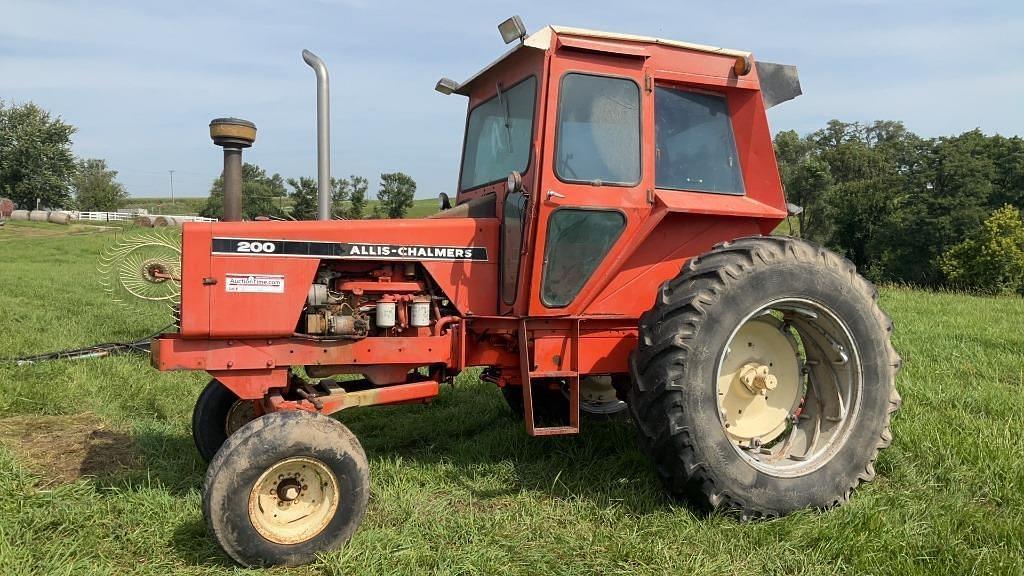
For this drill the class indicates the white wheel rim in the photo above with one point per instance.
(797, 425)
(294, 500)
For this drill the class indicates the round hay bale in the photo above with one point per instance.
(159, 221)
(19, 215)
(59, 218)
(174, 221)
(144, 221)
(39, 215)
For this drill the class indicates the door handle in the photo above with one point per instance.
(553, 194)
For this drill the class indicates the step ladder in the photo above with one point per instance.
(527, 375)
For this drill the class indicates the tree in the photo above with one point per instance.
(395, 196)
(35, 156)
(340, 190)
(304, 198)
(992, 259)
(261, 194)
(96, 187)
(357, 197)
(348, 197)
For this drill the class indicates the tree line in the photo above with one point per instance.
(38, 167)
(924, 211)
(265, 196)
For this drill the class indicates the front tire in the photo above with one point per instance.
(285, 487)
(218, 413)
(787, 331)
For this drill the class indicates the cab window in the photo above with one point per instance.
(598, 138)
(578, 240)
(695, 146)
(498, 135)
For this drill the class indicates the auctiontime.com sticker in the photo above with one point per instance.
(259, 283)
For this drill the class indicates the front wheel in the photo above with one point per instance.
(218, 413)
(285, 487)
(763, 380)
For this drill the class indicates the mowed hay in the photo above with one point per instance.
(62, 449)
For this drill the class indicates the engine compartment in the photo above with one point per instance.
(353, 300)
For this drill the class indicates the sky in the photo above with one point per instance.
(141, 80)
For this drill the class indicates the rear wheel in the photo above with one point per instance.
(218, 413)
(763, 380)
(285, 487)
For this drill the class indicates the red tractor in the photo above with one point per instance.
(609, 249)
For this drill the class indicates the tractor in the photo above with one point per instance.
(608, 250)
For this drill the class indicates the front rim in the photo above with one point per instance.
(294, 500)
(240, 414)
(789, 386)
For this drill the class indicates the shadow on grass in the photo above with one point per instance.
(466, 432)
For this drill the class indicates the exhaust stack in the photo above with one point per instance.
(323, 134)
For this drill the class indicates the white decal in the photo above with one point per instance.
(262, 283)
(256, 247)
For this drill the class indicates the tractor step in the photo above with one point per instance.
(572, 375)
(554, 374)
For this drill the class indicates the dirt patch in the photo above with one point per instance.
(62, 449)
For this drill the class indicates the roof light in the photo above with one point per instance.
(512, 29)
(446, 86)
(742, 65)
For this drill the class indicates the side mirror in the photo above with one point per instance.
(445, 201)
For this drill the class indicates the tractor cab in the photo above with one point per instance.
(578, 140)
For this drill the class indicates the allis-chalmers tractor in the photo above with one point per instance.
(609, 249)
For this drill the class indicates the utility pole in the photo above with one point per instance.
(171, 172)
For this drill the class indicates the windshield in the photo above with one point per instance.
(498, 136)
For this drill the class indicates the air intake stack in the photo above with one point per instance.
(233, 134)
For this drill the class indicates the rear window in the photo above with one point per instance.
(695, 146)
(598, 130)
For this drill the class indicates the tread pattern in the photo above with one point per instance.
(667, 333)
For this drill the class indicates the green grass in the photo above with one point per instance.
(458, 487)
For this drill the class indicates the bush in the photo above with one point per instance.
(992, 259)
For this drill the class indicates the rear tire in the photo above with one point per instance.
(285, 487)
(218, 413)
(675, 399)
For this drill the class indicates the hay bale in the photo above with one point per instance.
(160, 221)
(19, 215)
(59, 218)
(144, 221)
(39, 215)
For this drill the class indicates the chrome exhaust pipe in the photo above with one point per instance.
(323, 134)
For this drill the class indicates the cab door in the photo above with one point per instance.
(597, 170)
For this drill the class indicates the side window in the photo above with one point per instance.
(578, 240)
(598, 130)
(511, 244)
(695, 146)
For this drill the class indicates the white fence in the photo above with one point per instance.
(119, 217)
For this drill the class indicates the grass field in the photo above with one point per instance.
(458, 487)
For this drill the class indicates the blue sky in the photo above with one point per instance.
(141, 80)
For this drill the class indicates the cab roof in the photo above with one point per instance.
(544, 39)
